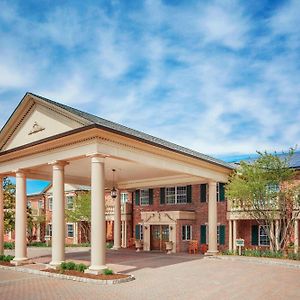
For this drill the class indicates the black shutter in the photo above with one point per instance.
(137, 197)
(150, 196)
(203, 192)
(137, 232)
(221, 192)
(222, 234)
(254, 235)
(203, 234)
(189, 194)
(162, 195)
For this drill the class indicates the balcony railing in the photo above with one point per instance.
(125, 208)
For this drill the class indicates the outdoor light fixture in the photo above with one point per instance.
(113, 192)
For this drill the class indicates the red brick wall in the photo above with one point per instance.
(200, 208)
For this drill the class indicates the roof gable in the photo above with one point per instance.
(35, 120)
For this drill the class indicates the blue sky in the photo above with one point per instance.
(220, 77)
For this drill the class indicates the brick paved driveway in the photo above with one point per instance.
(161, 276)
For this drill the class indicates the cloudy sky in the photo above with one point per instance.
(220, 77)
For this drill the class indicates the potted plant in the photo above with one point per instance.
(138, 245)
(169, 247)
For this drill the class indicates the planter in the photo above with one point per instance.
(169, 247)
(138, 245)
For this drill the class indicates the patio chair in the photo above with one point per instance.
(193, 247)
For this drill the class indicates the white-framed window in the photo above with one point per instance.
(70, 202)
(29, 204)
(263, 238)
(49, 230)
(41, 204)
(139, 232)
(50, 202)
(70, 230)
(144, 197)
(124, 197)
(186, 232)
(176, 195)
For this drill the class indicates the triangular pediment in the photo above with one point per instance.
(35, 120)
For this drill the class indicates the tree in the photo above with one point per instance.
(81, 213)
(266, 190)
(10, 207)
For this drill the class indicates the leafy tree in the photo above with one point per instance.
(10, 205)
(81, 213)
(266, 190)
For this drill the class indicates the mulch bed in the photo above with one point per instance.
(6, 263)
(85, 275)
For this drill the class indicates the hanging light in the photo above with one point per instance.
(113, 192)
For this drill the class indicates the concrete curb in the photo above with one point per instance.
(257, 260)
(69, 277)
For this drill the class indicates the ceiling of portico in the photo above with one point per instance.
(78, 171)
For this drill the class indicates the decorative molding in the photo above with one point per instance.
(36, 128)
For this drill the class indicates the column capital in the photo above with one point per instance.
(97, 157)
(20, 172)
(211, 182)
(58, 164)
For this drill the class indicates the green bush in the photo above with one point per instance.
(294, 256)
(79, 245)
(70, 265)
(228, 252)
(108, 272)
(81, 267)
(38, 244)
(109, 245)
(9, 245)
(7, 258)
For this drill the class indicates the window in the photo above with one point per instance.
(186, 232)
(176, 195)
(41, 204)
(29, 204)
(70, 202)
(49, 230)
(144, 197)
(50, 202)
(220, 192)
(70, 230)
(263, 239)
(139, 232)
(124, 198)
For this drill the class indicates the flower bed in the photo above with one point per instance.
(5, 260)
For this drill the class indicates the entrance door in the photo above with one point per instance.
(159, 235)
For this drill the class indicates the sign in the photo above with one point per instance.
(240, 242)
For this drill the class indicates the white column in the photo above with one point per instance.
(230, 235)
(122, 235)
(277, 234)
(21, 220)
(98, 228)
(1, 217)
(212, 219)
(117, 223)
(58, 214)
(234, 234)
(125, 234)
(38, 232)
(296, 233)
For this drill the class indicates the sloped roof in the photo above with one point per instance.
(92, 119)
(293, 163)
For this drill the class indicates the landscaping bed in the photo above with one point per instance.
(85, 275)
(72, 269)
(5, 260)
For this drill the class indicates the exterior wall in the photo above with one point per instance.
(200, 209)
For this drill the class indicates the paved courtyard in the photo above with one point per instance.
(160, 276)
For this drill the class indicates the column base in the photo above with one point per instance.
(95, 270)
(116, 248)
(211, 252)
(20, 261)
(54, 265)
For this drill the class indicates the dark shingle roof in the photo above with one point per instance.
(92, 119)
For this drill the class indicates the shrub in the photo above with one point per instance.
(9, 245)
(228, 252)
(79, 245)
(7, 258)
(38, 244)
(81, 267)
(109, 245)
(108, 272)
(294, 256)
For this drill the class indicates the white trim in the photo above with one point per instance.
(191, 232)
(176, 194)
(259, 236)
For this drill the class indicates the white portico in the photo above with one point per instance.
(47, 140)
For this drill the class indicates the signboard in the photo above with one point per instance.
(240, 242)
